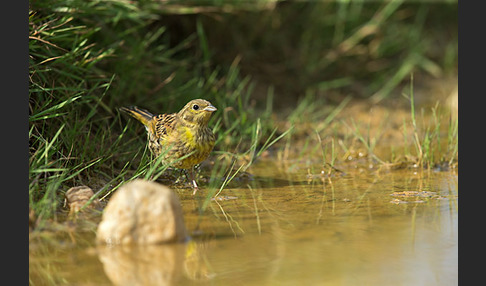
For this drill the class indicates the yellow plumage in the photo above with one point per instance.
(179, 134)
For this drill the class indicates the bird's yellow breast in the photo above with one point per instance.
(190, 139)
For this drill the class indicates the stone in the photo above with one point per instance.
(77, 197)
(142, 212)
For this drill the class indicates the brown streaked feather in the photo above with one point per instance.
(185, 133)
(164, 124)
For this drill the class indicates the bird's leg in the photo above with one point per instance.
(193, 180)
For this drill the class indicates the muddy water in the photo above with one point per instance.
(286, 225)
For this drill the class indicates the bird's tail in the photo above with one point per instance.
(141, 115)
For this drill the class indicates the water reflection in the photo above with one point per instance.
(338, 231)
(342, 231)
(166, 264)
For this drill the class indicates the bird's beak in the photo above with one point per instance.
(210, 108)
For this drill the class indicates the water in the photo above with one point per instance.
(282, 227)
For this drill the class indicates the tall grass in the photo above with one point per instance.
(364, 47)
(429, 140)
(88, 58)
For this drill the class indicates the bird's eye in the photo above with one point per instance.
(195, 107)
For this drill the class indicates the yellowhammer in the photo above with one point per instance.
(176, 135)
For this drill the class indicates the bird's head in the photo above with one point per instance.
(197, 111)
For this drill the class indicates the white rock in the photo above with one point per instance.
(142, 212)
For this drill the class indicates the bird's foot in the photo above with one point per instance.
(195, 187)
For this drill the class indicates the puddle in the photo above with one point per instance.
(284, 227)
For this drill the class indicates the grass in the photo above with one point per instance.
(281, 92)
(428, 140)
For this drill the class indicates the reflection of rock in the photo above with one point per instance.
(77, 197)
(143, 264)
(161, 264)
(142, 212)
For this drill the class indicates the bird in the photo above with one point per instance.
(184, 134)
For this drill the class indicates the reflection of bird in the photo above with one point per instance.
(183, 134)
